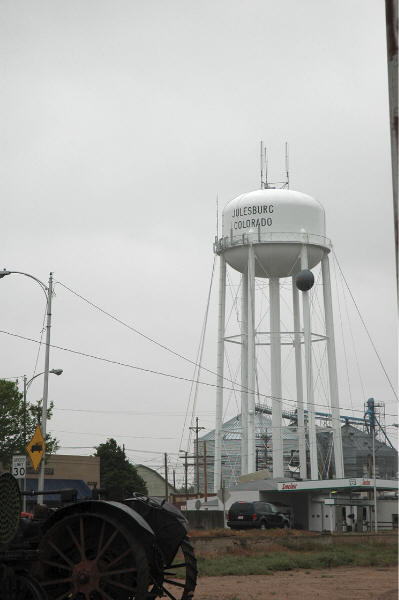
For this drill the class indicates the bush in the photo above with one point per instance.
(304, 555)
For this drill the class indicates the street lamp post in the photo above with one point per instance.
(26, 386)
(48, 291)
(45, 386)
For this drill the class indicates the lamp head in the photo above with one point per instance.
(56, 371)
(4, 272)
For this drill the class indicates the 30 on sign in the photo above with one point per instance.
(19, 466)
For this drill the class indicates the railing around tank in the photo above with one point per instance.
(262, 237)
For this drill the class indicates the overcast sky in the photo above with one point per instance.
(121, 123)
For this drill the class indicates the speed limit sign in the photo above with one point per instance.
(19, 466)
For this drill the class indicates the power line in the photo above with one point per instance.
(162, 373)
(41, 340)
(128, 412)
(135, 367)
(76, 448)
(140, 333)
(365, 327)
(126, 449)
(119, 435)
(114, 362)
(197, 368)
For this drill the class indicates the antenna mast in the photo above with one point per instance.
(217, 217)
(264, 168)
(287, 172)
(261, 166)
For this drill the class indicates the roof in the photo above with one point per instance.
(362, 441)
(141, 469)
(232, 429)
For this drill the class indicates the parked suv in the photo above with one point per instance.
(255, 514)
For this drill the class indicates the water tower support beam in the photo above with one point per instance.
(332, 368)
(303, 471)
(275, 367)
(307, 331)
(251, 360)
(220, 374)
(244, 374)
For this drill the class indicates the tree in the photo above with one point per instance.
(18, 423)
(119, 478)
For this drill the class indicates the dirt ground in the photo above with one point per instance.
(341, 583)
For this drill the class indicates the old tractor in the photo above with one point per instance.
(136, 549)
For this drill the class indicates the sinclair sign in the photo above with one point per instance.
(328, 484)
(289, 486)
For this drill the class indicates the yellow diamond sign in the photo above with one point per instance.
(36, 448)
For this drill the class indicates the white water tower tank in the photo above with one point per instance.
(277, 222)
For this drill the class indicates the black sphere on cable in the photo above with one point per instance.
(304, 280)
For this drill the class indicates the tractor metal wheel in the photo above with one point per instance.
(20, 586)
(29, 589)
(178, 579)
(90, 556)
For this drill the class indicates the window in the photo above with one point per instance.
(242, 507)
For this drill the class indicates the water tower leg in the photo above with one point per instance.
(244, 374)
(251, 360)
(307, 330)
(220, 374)
(275, 367)
(299, 382)
(332, 368)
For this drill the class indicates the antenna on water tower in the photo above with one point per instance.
(264, 183)
(263, 167)
(217, 217)
(287, 172)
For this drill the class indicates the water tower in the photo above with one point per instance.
(275, 233)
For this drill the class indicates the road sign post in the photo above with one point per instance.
(19, 471)
(36, 449)
(19, 466)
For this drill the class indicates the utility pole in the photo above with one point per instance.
(25, 390)
(375, 485)
(197, 429)
(370, 413)
(166, 477)
(174, 479)
(24, 425)
(185, 473)
(205, 475)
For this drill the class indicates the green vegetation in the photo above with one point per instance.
(119, 478)
(294, 556)
(18, 422)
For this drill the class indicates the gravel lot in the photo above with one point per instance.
(341, 583)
